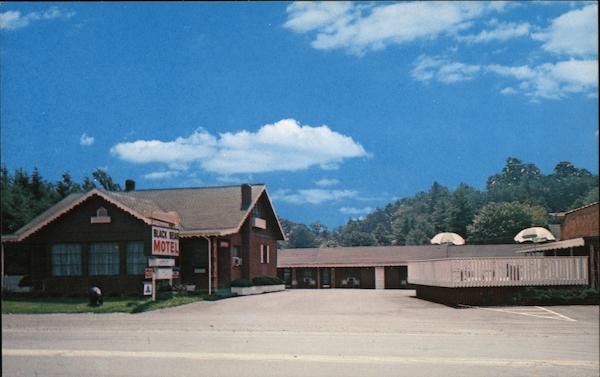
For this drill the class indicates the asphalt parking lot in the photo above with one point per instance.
(316, 332)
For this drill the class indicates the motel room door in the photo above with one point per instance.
(325, 278)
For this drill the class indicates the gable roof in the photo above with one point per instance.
(206, 210)
(195, 211)
(376, 256)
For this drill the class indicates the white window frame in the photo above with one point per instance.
(262, 253)
(268, 253)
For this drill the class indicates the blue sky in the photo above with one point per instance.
(338, 107)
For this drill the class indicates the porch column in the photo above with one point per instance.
(216, 264)
(379, 277)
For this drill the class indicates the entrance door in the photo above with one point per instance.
(224, 264)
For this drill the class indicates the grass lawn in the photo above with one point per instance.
(80, 305)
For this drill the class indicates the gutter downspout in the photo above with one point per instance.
(209, 264)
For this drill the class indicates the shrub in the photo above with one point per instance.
(553, 296)
(219, 296)
(267, 280)
(241, 283)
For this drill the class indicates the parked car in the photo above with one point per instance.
(351, 282)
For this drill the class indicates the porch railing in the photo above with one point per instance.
(498, 272)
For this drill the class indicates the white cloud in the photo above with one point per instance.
(312, 196)
(358, 28)
(325, 182)
(356, 211)
(430, 68)
(231, 180)
(545, 81)
(307, 16)
(554, 81)
(573, 33)
(508, 91)
(177, 154)
(161, 175)
(11, 20)
(501, 32)
(86, 140)
(282, 146)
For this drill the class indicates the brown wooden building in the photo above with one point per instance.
(369, 266)
(106, 238)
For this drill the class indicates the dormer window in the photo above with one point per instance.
(257, 211)
(258, 220)
(101, 217)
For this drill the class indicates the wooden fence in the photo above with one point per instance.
(499, 272)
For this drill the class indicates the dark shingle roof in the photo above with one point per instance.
(209, 208)
(369, 256)
(196, 211)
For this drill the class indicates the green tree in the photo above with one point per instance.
(105, 180)
(499, 222)
(66, 187)
(567, 184)
(590, 197)
(465, 201)
(421, 233)
(518, 181)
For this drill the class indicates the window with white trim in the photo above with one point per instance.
(136, 260)
(66, 259)
(262, 253)
(268, 253)
(104, 259)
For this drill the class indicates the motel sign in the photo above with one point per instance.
(165, 242)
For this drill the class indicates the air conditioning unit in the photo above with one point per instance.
(236, 261)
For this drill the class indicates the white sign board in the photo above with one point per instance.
(164, 274)
(161, 262)
(165, 241)
(147, 288)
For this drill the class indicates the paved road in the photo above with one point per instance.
(308, 332)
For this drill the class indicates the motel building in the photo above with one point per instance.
(455, 275)
(369, 267)
(203, 237)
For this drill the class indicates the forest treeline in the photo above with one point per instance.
(24, 195)
(518, 197)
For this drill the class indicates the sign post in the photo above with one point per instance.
(154, 285)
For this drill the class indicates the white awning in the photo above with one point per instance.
(576, 242)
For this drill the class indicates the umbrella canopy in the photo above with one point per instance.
(447, 237)
(535, 234)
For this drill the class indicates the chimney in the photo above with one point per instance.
(246, 196)
(129, 185)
